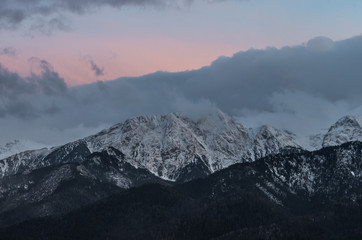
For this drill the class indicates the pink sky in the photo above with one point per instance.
(128, 57)
(137, 41)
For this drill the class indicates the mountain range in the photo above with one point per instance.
(213, 167)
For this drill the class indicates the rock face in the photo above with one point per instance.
(172, 146)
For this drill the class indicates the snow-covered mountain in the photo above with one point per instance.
(63, 187)
(150, 149)
(346, 129)
(177, 148)
(18, 146)
(171, 146)
(167, 145)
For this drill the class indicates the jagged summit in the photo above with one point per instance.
(346, 129)
(349, 119)
(165, 145)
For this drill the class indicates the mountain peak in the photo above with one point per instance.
(348, 121)
(166, 145)
(346, 129)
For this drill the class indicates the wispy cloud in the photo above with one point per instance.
(9, 51)
(94, 67)
(98, 71)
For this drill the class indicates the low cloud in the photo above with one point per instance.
(321, 44)
(300, 88)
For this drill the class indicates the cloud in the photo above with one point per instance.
(98, 71)
(8, 51)
(300, 88)
(18, 96)
(47, 26)
(321, 44)
(47, 15)
(95, 68)
(263, 81)
(299, 112)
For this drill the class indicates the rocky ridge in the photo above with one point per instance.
(166, 146)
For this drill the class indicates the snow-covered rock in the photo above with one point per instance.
(346, 129)
(18, 146)
(334, 172)
(167, 144)
(33, 159)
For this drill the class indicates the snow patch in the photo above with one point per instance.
(269, 195)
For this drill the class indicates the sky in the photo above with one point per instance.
(70, 68)
(133, 38)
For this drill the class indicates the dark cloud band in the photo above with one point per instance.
(14, 12)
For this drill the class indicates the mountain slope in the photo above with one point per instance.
(61, 188)
(305, 195)
(18, 146)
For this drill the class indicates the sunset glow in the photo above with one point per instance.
(134, 41)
